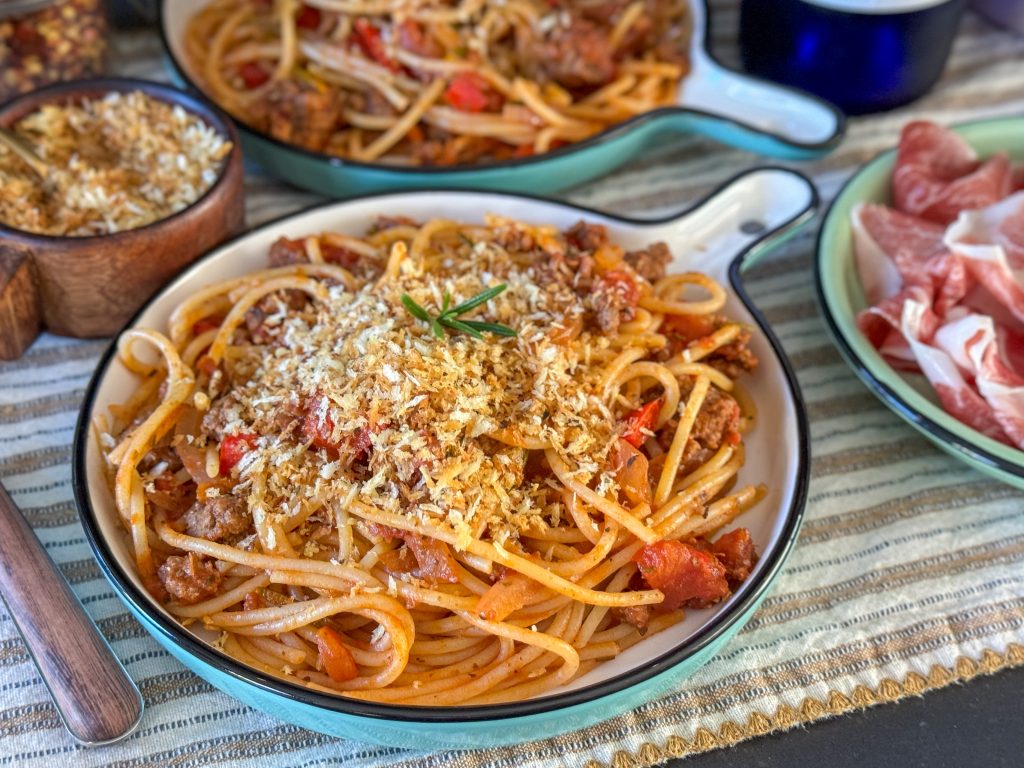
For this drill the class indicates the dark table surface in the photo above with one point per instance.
(979, 724)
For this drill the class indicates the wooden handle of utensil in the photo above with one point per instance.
(95, 697)
(20, 306)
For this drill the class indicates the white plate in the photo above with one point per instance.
(743, 219)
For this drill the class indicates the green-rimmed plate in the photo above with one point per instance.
(841, 298)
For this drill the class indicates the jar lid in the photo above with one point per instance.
(880, 7)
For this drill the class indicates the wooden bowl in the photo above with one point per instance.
(91, 286)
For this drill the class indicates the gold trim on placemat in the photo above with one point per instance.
(811, 709)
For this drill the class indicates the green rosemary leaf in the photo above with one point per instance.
(415, 309)
(458, 325)
(481, 298)
(496, 328)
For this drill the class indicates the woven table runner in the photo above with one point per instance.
(908, 573)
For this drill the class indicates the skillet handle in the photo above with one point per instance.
(758, 115)
(94, 696)
(749, 216)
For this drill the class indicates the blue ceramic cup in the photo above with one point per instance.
(861, 55)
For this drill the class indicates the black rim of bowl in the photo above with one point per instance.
(879, 388)
(193, 102)
(609, 134)
(749, 593)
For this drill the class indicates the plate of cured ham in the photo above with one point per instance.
(920, 276)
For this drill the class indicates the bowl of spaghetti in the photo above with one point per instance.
(402, 478)
(350, 96)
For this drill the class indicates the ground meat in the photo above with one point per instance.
(302, 113)
(268, 306)
(370, 102)
(384, 223)
(662, 26)
(613, 300)
(412, 37)
(189, 579)
(731, 359)
(716, 422)
(287, 419)
(586, 236)
(735, 550)
(576, 56)
(734, 358)
(217, 518)
(221, 413)
(638, 616)
(161, 454)
(718, 418)
(464, 149)
(650, 262)
(285, 252)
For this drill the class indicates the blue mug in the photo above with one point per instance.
(862, 55)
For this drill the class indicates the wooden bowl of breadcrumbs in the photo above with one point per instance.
(143, 179)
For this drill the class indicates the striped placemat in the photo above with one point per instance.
(907, 575)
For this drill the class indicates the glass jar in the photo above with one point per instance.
(43, 42)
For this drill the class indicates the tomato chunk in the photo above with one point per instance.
(434, 560)
(643, 418)
(686, 574)
(469, 92)
(337, 254)
(206, 324)
(369, 40)
(335, 658)
(630, 467)
(233, 448)
(308, 17)
(507, 595)
(253, 74)
(318, 427)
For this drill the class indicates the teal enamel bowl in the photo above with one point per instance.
(841, 297)
(746, 218)
(714, 101)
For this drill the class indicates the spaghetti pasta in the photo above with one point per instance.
(422, 82)
(363, 500)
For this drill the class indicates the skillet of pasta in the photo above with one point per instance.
(432, 82)
(441, 463)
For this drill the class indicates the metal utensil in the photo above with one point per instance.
(20, 147)
(95, 698)
(12, 8)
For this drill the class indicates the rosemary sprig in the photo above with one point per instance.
(449, 316)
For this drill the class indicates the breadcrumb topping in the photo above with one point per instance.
(415, 417)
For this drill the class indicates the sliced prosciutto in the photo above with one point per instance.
(958, 398)
(880, 234)
(991, 242)
(944, 275)
(937, 174)
(973, 344)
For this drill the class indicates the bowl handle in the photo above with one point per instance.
(750, 215)
(756, 114)
(20, 309)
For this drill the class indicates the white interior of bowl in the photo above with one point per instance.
(705, 240)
